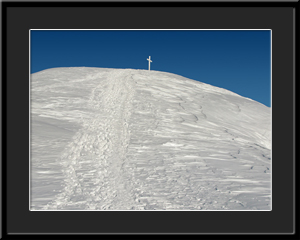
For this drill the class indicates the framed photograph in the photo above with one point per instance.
(143, 119)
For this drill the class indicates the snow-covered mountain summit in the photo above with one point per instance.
(124, 139)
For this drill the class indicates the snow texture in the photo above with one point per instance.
(124, 139)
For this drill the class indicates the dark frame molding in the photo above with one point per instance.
(18, 221)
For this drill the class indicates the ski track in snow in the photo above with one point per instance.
(135, 153)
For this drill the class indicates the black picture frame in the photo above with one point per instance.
(19, 17)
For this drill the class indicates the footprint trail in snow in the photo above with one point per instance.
(93, 161)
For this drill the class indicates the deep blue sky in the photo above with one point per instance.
(237, 60)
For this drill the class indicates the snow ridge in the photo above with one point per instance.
(125, 139)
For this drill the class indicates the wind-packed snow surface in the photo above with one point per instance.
(124, 139)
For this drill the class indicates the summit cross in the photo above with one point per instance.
(149, 60)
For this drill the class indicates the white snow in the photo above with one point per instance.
(124, 139)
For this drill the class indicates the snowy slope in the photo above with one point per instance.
(124, 139)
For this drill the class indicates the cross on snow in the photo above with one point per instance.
(149, 60)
